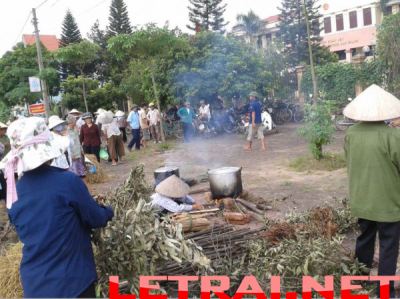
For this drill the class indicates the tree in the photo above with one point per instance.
(154, 50)
(389, 51)
(318, 127)
(79, 55)
(218, 23)
(98, 35)
(293, 30)
(15, 68)
(207, 15)
(70, 31)
(220, 65)
(251, 24)
(119, 19)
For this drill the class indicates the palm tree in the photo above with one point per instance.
(251, 23)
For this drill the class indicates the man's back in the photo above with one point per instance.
(373, 163)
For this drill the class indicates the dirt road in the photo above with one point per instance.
(267, 174)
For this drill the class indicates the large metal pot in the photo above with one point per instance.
(225, 182)
(162, 173)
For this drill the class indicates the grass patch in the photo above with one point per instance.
(329, 162)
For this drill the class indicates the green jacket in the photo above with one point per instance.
(373, 165)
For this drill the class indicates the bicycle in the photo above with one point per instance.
(172, 128)
(297, 112)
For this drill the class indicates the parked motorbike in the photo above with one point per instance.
(204, 128)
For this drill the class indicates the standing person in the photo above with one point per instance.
(134, 123)
(58, 128)
(154, 118)
(90, 136)
(144, 125)
(186, 115)
(373, 161)
(78, 116)
(255, 122)
(122, 124)
(114, 141)
(204, 111)
(75, 151)
(53, 214)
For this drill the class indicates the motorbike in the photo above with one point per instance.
(223, 121)
(205, 128)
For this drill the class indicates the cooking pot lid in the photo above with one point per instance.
(165, 169)
(224, 170)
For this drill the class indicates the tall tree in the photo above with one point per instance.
(70, 31)
(79, 55)
(218, 23)
(98, 35)
(251, 23)
(293, 29)
(119, 19)
(207, 15)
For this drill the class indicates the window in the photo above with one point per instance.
(353, 19)
(367, 16)
(327, 25)
(339, 22)
(341, 55)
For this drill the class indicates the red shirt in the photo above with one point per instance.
(90, 136)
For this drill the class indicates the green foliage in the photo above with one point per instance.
(329, 162)
(389, 51)
(281, 83)
(15, 68)
(119, 19)
(293, 30)
(72, 97)
(220, 65)
(150, 51)
(107, 96)
(70, 31)
(251, 22)
(4, 112)
(337, 81)
(318, 128)
(207, 15)
(79, 54)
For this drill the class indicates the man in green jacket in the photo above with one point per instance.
(373, 163)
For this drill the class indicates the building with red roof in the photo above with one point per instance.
(50, 42)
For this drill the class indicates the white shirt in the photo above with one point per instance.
(161, 203)
(79, 123)
(154, 117)
(205, 111)
(111, 129)
(61, 161)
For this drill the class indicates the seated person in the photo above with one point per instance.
(172, 195)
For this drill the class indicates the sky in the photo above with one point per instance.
(15, 17)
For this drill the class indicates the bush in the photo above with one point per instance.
(318, 127)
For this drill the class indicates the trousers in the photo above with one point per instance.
(389, 235)
(187, 131)
(135, 139)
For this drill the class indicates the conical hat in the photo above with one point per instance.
(173, 187)
(373, 104)
(3, 126)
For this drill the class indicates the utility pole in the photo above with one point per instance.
(310, 52)
(40, 63)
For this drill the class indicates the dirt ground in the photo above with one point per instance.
(266, 174)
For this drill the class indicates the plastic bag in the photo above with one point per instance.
(104, 154)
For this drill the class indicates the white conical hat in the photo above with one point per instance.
(373, 104)
(173, 187)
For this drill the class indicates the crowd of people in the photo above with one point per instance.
(54, 213)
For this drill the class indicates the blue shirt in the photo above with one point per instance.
(133, 120)
(53, 217)
(186, 115)
(255, 106)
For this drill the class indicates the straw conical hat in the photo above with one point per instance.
(173, 187)
(373, 104)
(3, 126)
